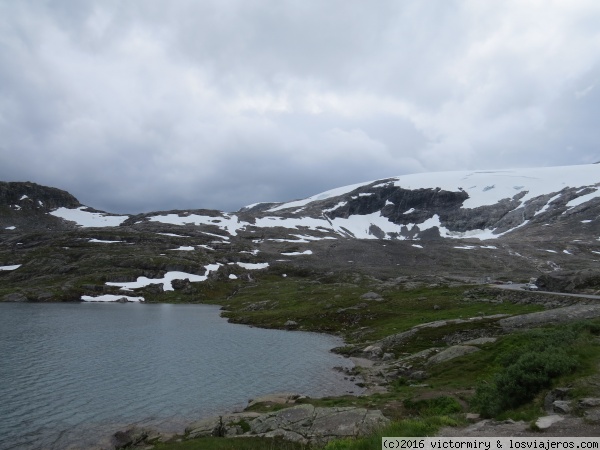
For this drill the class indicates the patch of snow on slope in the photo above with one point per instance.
(305, 252)
(253, 266)
(10, 228)
(229, 223)
(547, 205)
(173, 235)
(333, 208)
(184, 248)
(582, 199)
(411, 210)
(166, 280)
(23, 197)
(417, 246)
(14, 267)
(88, 219)
(111, 298)
(103, 241)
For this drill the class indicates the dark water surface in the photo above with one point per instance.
(72, 374)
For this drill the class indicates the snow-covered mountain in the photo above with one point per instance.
(466, 204)
(511, 223)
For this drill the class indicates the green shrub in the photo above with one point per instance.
(529, 367)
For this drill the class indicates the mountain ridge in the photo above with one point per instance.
(511, 224)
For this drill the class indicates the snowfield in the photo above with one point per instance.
(88, 219)
(485, 187)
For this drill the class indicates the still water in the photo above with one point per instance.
(73, 374)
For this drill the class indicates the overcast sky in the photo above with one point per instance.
(150, 105)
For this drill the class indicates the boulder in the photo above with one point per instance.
(589, 402)
(452, 352)
(561, 406)
(372, 296)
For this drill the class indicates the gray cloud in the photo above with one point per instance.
(136, 106)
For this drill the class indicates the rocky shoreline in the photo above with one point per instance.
(303, 423)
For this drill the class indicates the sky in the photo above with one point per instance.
(136, 106)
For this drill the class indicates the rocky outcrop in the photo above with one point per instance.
(302, 423)
(452, 352)
(307, 423)
(32, 196)
(571, 281)
(551, 317)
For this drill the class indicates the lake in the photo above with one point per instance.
(73, 374)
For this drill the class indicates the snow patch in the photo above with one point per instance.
(227, 222)
(339, 205)
(110, 298)
(305, 252)
(547, 205)
(103, 241)
(253, 266)
(184, 248)
(14, 267)
(417, 246)
(166, 280)
(87, 219)
(10, 228)
(23, 197)
(582, 199)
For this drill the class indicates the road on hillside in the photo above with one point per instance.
(518, 287)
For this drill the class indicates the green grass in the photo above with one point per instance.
(336, 307)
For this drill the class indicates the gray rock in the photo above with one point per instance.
(303, 423)
(592, 415)
(372, 296)
(373, 350)
(452, 352)
(226, 425)
(290, 324)
(14, 297)
(287, 419)
(589, 402)
(418, 375)
(561, 406)
(553, 316)
(480, 341)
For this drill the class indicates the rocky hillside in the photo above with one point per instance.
(512, 224)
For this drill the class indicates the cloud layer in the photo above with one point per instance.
(137, 106)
